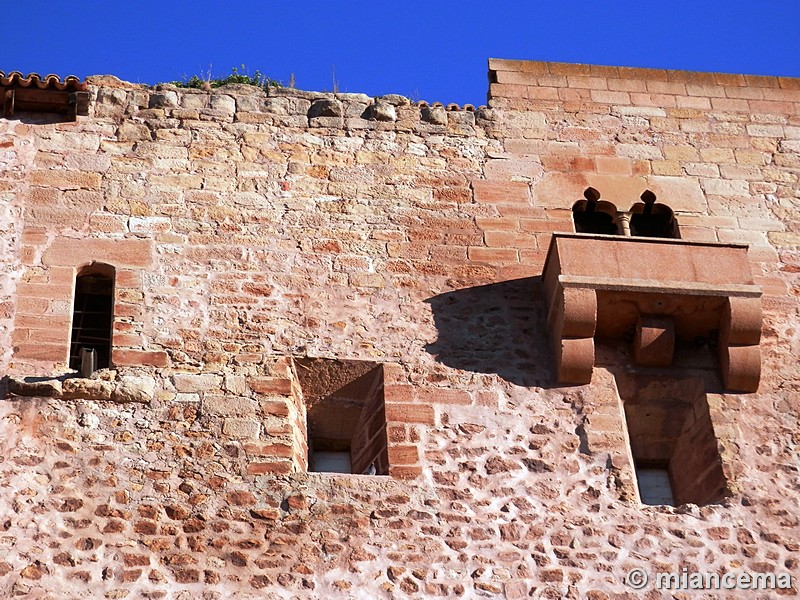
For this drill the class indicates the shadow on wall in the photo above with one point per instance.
(495, 329)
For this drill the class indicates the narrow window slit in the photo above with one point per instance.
(92, 316)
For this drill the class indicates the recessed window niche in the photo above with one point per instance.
(345, 415)
(674, 450)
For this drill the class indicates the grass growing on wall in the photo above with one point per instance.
(257, 79)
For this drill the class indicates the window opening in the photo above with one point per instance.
(673, 446)
(649, 219)
(346, 417)
(655, 486)
(92, 317)
(593, 215)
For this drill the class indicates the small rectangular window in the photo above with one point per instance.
(345, 416)
(655, 486)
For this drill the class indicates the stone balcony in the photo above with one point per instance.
(657, 292)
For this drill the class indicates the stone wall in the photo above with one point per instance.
(247, 228)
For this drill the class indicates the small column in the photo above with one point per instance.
(623, 221)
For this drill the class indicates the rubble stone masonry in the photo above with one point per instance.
(250, 229)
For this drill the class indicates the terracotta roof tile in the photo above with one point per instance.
(70, 83)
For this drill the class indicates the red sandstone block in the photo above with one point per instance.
(124, 278)
(589, 83)
(570, 69)
(770, 107)
(546, 225)
(27, 255)
(627, 85)
(276, 408)
(393, 374)
(554, 81)
(20, 335)
(567, 163)
(120, 357)
(643, 74)
(520, 66)
(520, 271)
(729, 104)
(603, 71)
(748, 93)
(42, 321)
(729, 79)
(61, 276)
(493, 255)
(133, 311)
(65, 180)
(579, 96)
(119, 253)
(515, 78)
(34, 236)
(695, 102)
(500, 191)
(789, 83)
(271, 385)
(611, 97)
(614, 165)
(399, 393)
(41, 351)
(405, 472)
(666, 87)
(432, 395)
(504, 90)
(502, 239)
(764, 81)
(42, 196)
(269, 468)
(772, 286)
(656, 100)
(495, 224)
(520, 211)
(127, 340)
(410, 413)
(280, 450)
(403, 455)
(32, 306)
(58, 217)
(49, 335)
(542, 93)
(107, 224)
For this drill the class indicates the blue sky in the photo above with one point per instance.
(433, 50)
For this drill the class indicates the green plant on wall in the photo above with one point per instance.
(257, 79)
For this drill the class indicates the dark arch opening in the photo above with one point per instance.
(649, 219)
(93, 314)
(593, 215)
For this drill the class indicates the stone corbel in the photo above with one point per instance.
(739, 339)
(573, 323)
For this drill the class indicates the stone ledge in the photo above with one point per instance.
(107, 386)
(609, 286)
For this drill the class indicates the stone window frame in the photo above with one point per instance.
(282, 411)
(708, 477)
(622, 222)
